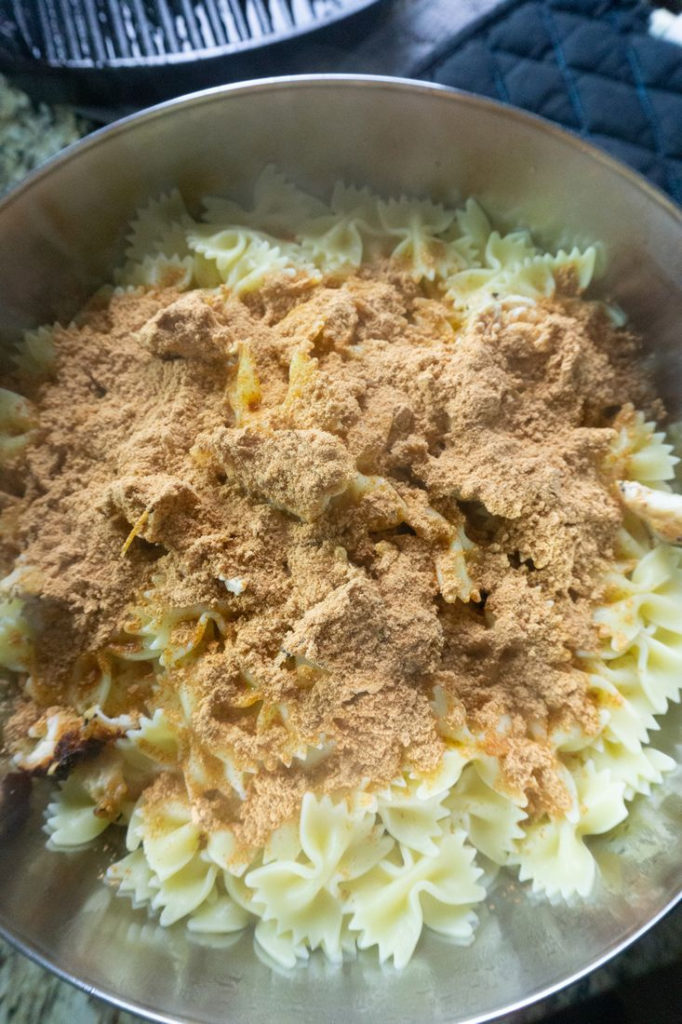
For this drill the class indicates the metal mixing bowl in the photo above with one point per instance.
(60, 235)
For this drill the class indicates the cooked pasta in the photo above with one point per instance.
(371, 865)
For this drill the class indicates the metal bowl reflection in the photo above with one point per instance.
(60, 235)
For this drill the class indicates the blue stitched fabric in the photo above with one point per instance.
(587, 64)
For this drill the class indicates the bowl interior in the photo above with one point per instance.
(61, 234)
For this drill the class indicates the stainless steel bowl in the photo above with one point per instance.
(60, 235)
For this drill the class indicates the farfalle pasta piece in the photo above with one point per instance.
(388, 509)
(344, 237)
(539, 276)
(441, 781)
(514, 272)
(412, 820)
(626, 710)
(640, 452)
(18, 422)
(163, 824)
(332, 244)
(418, 226)
(637, 770)
(218, 914)
(337, 845)
(185, 891)
(181, 877)
(278, 206)
(552, 853)
(506, 251)
(358, 203)
(452, 572)
(35, 355)
(281, 947)
(555, 859)
(658, 660)
(15, 635)
(474, 228)
(243, 257)
(158, 271)
(158, 738)
(642, 627)
(471, 289)
(491, 820)
(407, 890)
(158, 253)
(159, 227)
(133, 877)
(168, 635)
(646, 597)
(70, 818)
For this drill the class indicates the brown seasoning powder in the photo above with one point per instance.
(191, 439)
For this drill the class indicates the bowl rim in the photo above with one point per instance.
(399, 84)
(25, 947)
(564, 135)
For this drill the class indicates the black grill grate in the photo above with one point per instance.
(116, 33)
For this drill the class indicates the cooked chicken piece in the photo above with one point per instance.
(660, 510)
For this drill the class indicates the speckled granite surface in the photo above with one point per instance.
(30, 134)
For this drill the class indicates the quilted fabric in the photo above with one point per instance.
(587, 64)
